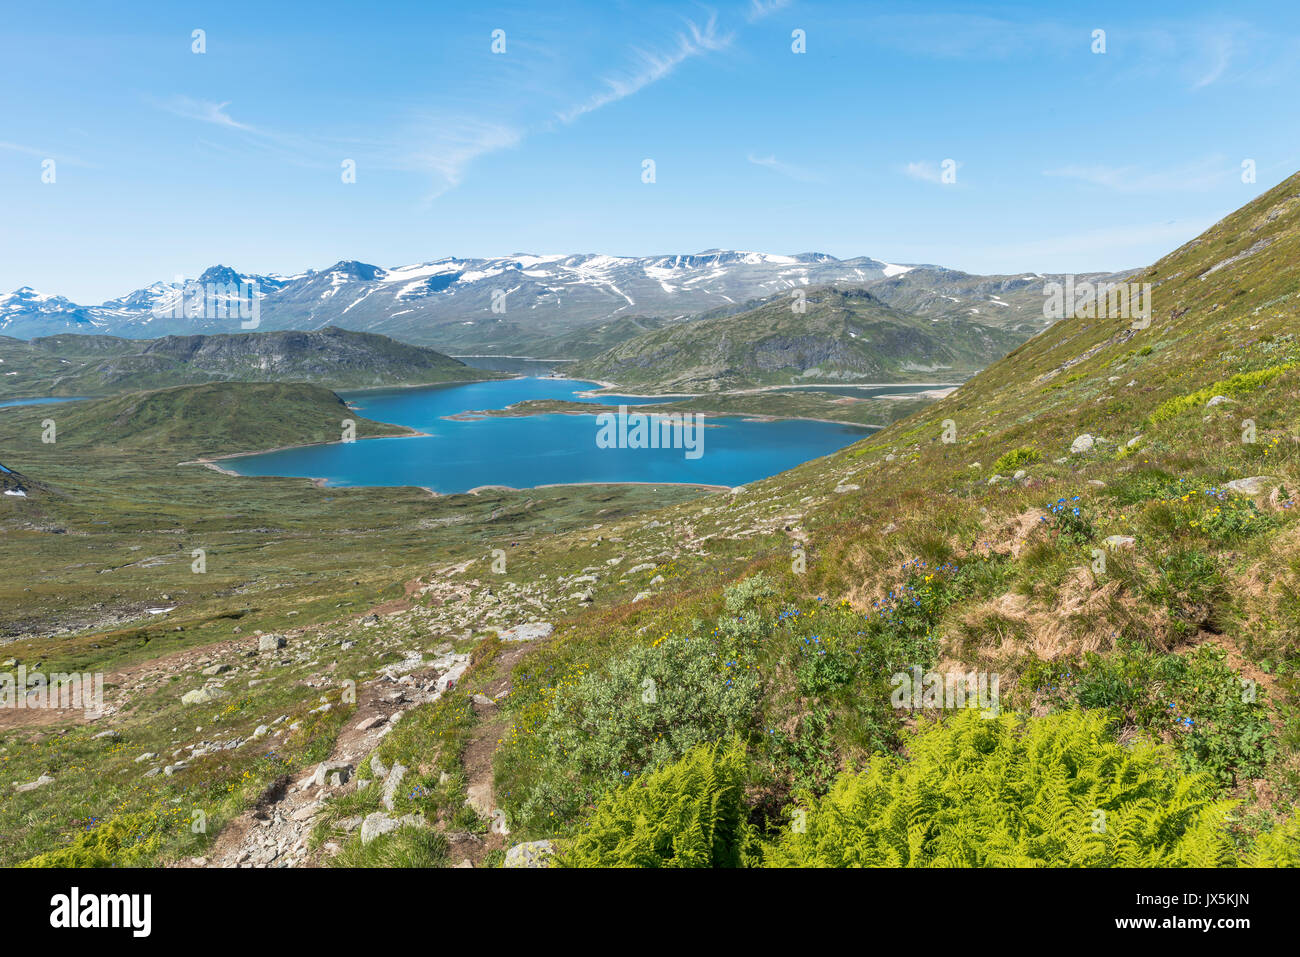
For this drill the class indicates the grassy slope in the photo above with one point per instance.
(846, 335)
(1207, 571)
(1004, 578)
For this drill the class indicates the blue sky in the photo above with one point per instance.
(167, 161)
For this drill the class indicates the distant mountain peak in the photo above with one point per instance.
(507, 304)
(220, 274)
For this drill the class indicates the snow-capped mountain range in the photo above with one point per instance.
(450, 302)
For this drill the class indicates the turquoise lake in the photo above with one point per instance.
(528, 451)
(14, 403)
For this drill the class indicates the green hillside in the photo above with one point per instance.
(840, 335)
(597, 337)
(803, 594)
(214, 418)
(71, 365)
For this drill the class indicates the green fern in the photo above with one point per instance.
(976, 792)
(687, 814)
(1279, 847)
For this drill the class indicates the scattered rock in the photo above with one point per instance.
(380, 823)
(479, 797)
(326, 769)
(1083, 443)
(530, 854)
(1254, 485)
(43, 780)
(271, 642)
(532, 631)
(456, 666)
(392, 783)
(202, 696)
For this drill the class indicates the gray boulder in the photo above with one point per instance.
(43, 780)
(202, 696)
(1254, 485)
(530, 854)
(380, 823)
(531, 631)
(392, 783)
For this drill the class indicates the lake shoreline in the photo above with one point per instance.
(463, 455)
(511, 488)
(475, 415)
(810, 387)
(210, 461)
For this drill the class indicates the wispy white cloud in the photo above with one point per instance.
(1195, 51)
(44, 154)
(759, 9)
(927, 171)
(448, 147)
(785, 169)
(292, 148)
(205, 111)
(1198, 176)
(650, 67)
(1221, 50)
